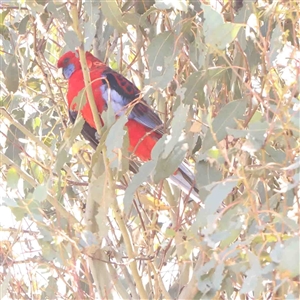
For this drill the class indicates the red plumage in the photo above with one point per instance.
(144, 126)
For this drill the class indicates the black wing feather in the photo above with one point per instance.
(89, 133)
(141, 112)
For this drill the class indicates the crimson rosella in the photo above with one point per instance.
(144, 126)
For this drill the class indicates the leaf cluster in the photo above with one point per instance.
(224, 79)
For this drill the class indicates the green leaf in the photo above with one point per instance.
(132, 19)
(77, 146)
(294, 165)
(76, 129)
(219, 194)
(138, 179)
(217, 32)
(51, 289)
(181, 5)
(97, 165)
(158, 148)
(36, 123)
(272, 155)
(237, 133)
(195, 83)
(12, 75)
(295, 119)
(93, 13)
(40, 192)
(114, 141)
(60, 12)
(289, 258)
(23, 25)
(34, 83)
(145, 15)
(3, 15)
(253, 278)
(170, 233)
(163, 79)
(276, 42)
(168, 165)
(113, 14)
(4, 31)
(276, 253)
(12, 178)
(100, 193)
(178, 124)
(5, 283)
(198, 52)
(38, 172)
(108, 116)
(227, 117)
(35, 8)
(161, 53)
(10, 202)
(170, 153)
(231, 224)
(101, 217)
(218, 276)
(13, 137)
(3, 67)
(62, 158)
(48, 251)
(19, 212)
(71, 39)
(256, 136)
(206, 174)
(97, 189)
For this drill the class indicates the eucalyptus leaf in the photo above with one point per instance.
(92, 9)
(178, 124)
(168, 165)
(289, 258)
(132, 19)
(139, 178)
(52, 288)
(160, 48)
(219, 194)
(3, 65)
(113, 14)
(5, 284)
(217, 32)
(227, 117)
(12, 178)
(114, 141)
(99, 191)
(23, 25)
(180, 5)
(61, 158)
(218, 276)
(206, 174)
(71, 39)
(195, 83)
(12, 75)
(40, 192)
(10, 202)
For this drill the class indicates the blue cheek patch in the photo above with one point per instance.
(68, 71)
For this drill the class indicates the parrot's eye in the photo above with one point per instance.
(66, 61)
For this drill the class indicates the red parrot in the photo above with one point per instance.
(144, 125)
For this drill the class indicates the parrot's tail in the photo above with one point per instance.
(185, 180)
(184, 177)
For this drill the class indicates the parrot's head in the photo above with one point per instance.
(69, 63)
